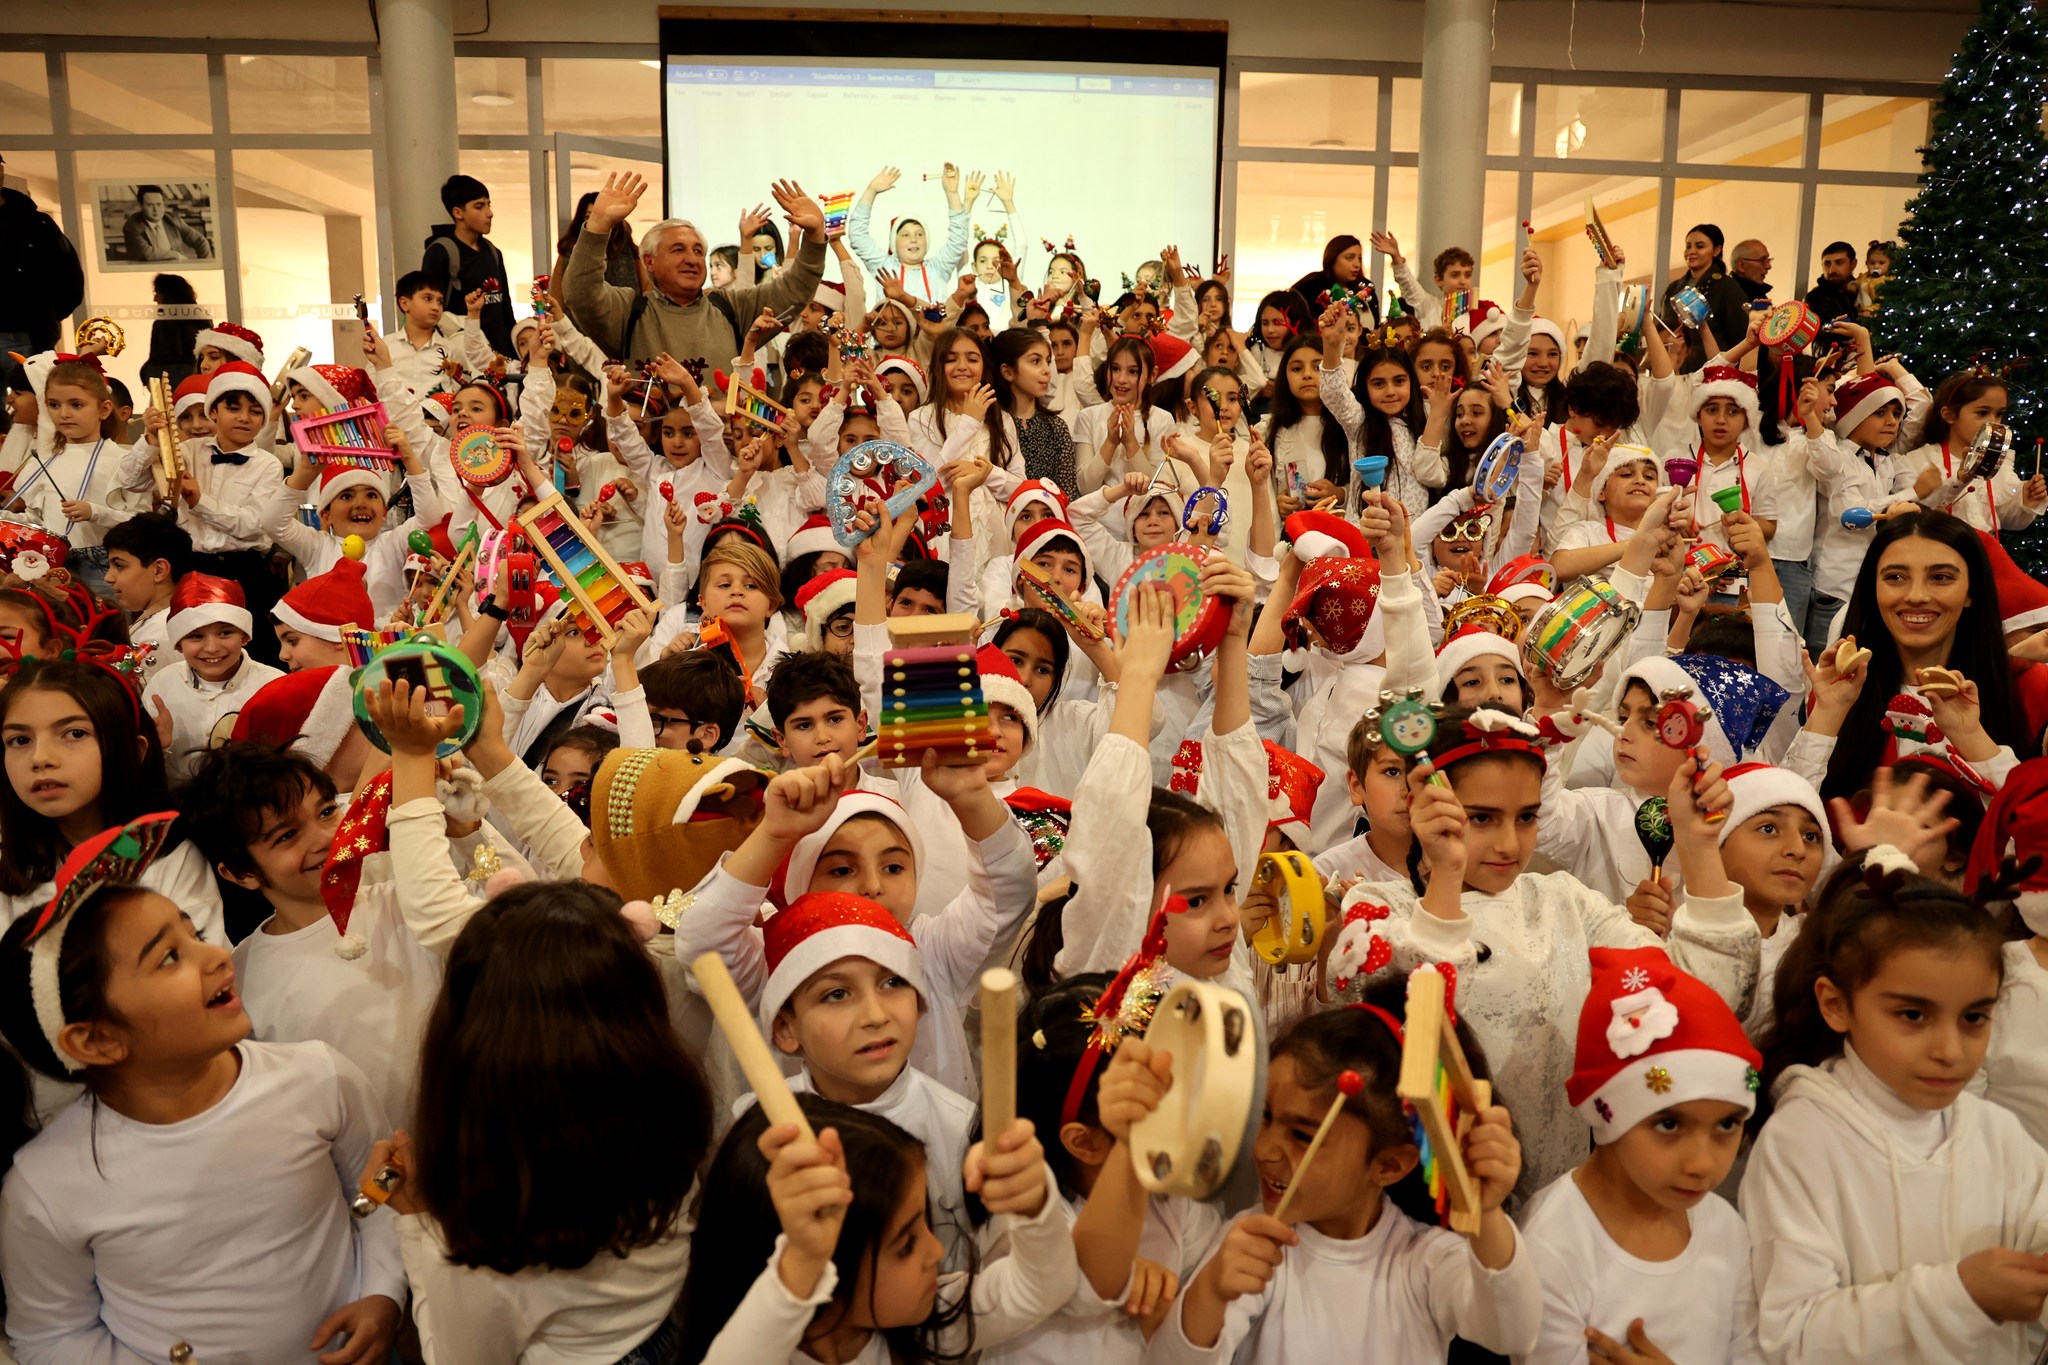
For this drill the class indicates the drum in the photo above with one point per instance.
(1487, 612)
(1572, 635)
(884, 462)
(1635, 313)
(1525, 569)
(1501, 463)
(1198, 621)
(1294, 934)
(1691, 307)
(1790, 327)
(447, 675)
(18, 536)
(479, 459)
(1191, 1142)
(1988, 450)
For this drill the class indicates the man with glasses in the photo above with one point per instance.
(1752, 264)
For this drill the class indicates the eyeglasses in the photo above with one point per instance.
(661, 722)
(840, 627)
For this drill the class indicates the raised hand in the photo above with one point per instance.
(1907, 815)
(1389, 246)
(751, 223)
(615, 201)
(801, 210)
(884, 180)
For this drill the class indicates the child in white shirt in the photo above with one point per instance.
(214, 677)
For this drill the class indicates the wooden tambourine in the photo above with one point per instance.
(1190, 1143)
(1571, 635)
(479, 458)
(1789, 327)
(1199, 621)
(1294, 934)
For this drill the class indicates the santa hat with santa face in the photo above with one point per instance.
(200, 600)
(822, 928)
(326, 602)
(233, 340)
(1651, 1038)
(2016, 825)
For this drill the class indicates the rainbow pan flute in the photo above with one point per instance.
(931, 695)
(351, 437)
(1442, 1098)
(592, 578)
(748, 403)
(1789, 327)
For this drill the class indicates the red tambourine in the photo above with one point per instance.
(1199, 621)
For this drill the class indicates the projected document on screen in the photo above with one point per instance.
(1122, 158)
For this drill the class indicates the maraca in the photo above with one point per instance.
(605, 493)
(420, 543)
(1858, 518)
(354, 547)
(1653, 829)
(668, 490)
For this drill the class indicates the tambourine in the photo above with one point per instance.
(19, 537)
(1524, 569)
(1571, 635)
(1295, 932)
(1198, 620)
(1190, 1143)
(1487, 612)
(1988, 450)
(479, 458)
(107, 332)
(442, 671)
(847, 487)
(1493, 478)
(1790, 327)
(1691, 307)
(1634, 315)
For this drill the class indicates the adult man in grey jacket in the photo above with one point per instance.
(679, 315)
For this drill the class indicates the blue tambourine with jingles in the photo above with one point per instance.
(1493, 478)
(847, 488)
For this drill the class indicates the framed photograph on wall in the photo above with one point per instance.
(157, 224)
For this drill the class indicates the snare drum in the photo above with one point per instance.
(1191, 1142)
(1198, 620)
(1494, 476)
(1691, 307)
(1570, 636)
(447, 675)
(479, 458)
(1790, 327)
(1294, 934)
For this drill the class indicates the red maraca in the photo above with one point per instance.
(668, 491)
(604, 494)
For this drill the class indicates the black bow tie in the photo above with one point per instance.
(221, 457)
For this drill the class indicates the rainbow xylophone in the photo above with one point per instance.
(744, 401)
(592, 579)
(350, 437)
(1596, 233)
(931, 694)
(836, 205)
(1442, 1098)
(366, 643)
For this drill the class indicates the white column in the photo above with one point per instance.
(1457, 69)
(418, 59)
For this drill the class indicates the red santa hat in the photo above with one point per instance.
(1472, 643)
(813, 537)
(904, 365)
(334, 387)
(200, 600)
(1325, 535)
(1758, 787)
(311, 711)
(822, 597)
(2016, 824)
(1336, 598)
(2022, 598)
(235, 377)
(1485, 319)
(1291, 785)
(338, 479)
(1725, 381)
(1651, 1037)
(190, 393)
(323, 604)
(1862, 396)
(1042, 535)
(820, 929)
(793, 880)
(1039, 492)
(231, 339)
(1171, 357)
(830, 296)
(1002, 683)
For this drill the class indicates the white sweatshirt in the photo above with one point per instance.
(1399, 1293)
(229, 1231)
(201, 711)
(2015, 1071)
(1855, 1252)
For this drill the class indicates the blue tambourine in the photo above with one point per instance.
(847, 487)
(1218, 519)
(1498, 468)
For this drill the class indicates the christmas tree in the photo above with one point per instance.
(1973, 264)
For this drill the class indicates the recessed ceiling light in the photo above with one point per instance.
(651, 66)
(496, 99)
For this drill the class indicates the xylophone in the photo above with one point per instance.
(1596, 233)
(592, 578)
(365, 643)
(444, 596)
(1442, 1098)
(1056, 601)
(931, 694)
(350, 437)
(837, 206)
(748, 403)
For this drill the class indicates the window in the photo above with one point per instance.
(1867, 133)
(298, 94)
(505, 175)
(1742, 209)
(1290, 109)
(1504, 120)
(308, 245)
(1742, 128)
(1605, 123)
(602, 98)
(24, 93)
(587, 171)
(1628, 206)
(139, 92)
(490, 95)
(1285, 213)
(1856, 214)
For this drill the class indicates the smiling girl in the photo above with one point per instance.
(1124, 433)
(1380, 412)
(1938, 470)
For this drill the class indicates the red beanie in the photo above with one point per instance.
(323, 604)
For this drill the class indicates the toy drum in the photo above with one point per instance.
(1294, 934)
(1987, 451)
(1691, 307)
(445, 673)
(479, 458)
(1572, 635)
(1635, 310)
(1198, 620)
(1487, 612)
(1494, 476)
(18, 537)
(1790, 327)
(1189, 1144)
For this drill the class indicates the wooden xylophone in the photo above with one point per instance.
(593, 580)
(931, 694)
(351, 437)
(745, 401)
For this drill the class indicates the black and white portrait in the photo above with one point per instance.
(147, 225)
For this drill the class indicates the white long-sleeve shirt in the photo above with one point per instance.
(233, 512)
(384, 555)
(80, 472)
(1959, 494)
(229, 1231)
(1414, 470)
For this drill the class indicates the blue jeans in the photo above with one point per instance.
(659, 1349)
(1820, 618)
(1796, 578)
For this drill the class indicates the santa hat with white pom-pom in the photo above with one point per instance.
(1651, 1038)
(2016, 825)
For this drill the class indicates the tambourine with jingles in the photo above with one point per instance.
(1572, 634)
(443, 672)
(1294, 934)
(1493, 478)
(1199, 620)
(1190, 1144)
(1486, 611)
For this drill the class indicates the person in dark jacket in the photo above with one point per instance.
(40, 278)
(1834, 296)
(1727, 304)
(172, 340)
(461, 260)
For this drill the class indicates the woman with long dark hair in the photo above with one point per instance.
(171, 339)
(1728, 305)
(1343, 264)
(622, 264)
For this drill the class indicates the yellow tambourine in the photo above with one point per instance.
(1190, 1144)
(1295, 932)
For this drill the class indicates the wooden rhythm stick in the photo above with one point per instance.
(931, 694)
(745, 401)
(593, 579)
(444, 596)
(1057, 601)
(167, 439)
(998, 1052)
(1442, 1096)
(749, 1048)
(1349, 1084)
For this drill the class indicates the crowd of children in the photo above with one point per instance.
(389, 742)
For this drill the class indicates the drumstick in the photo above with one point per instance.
(1349, 1084)
(743, 1036)
(998, 1052)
